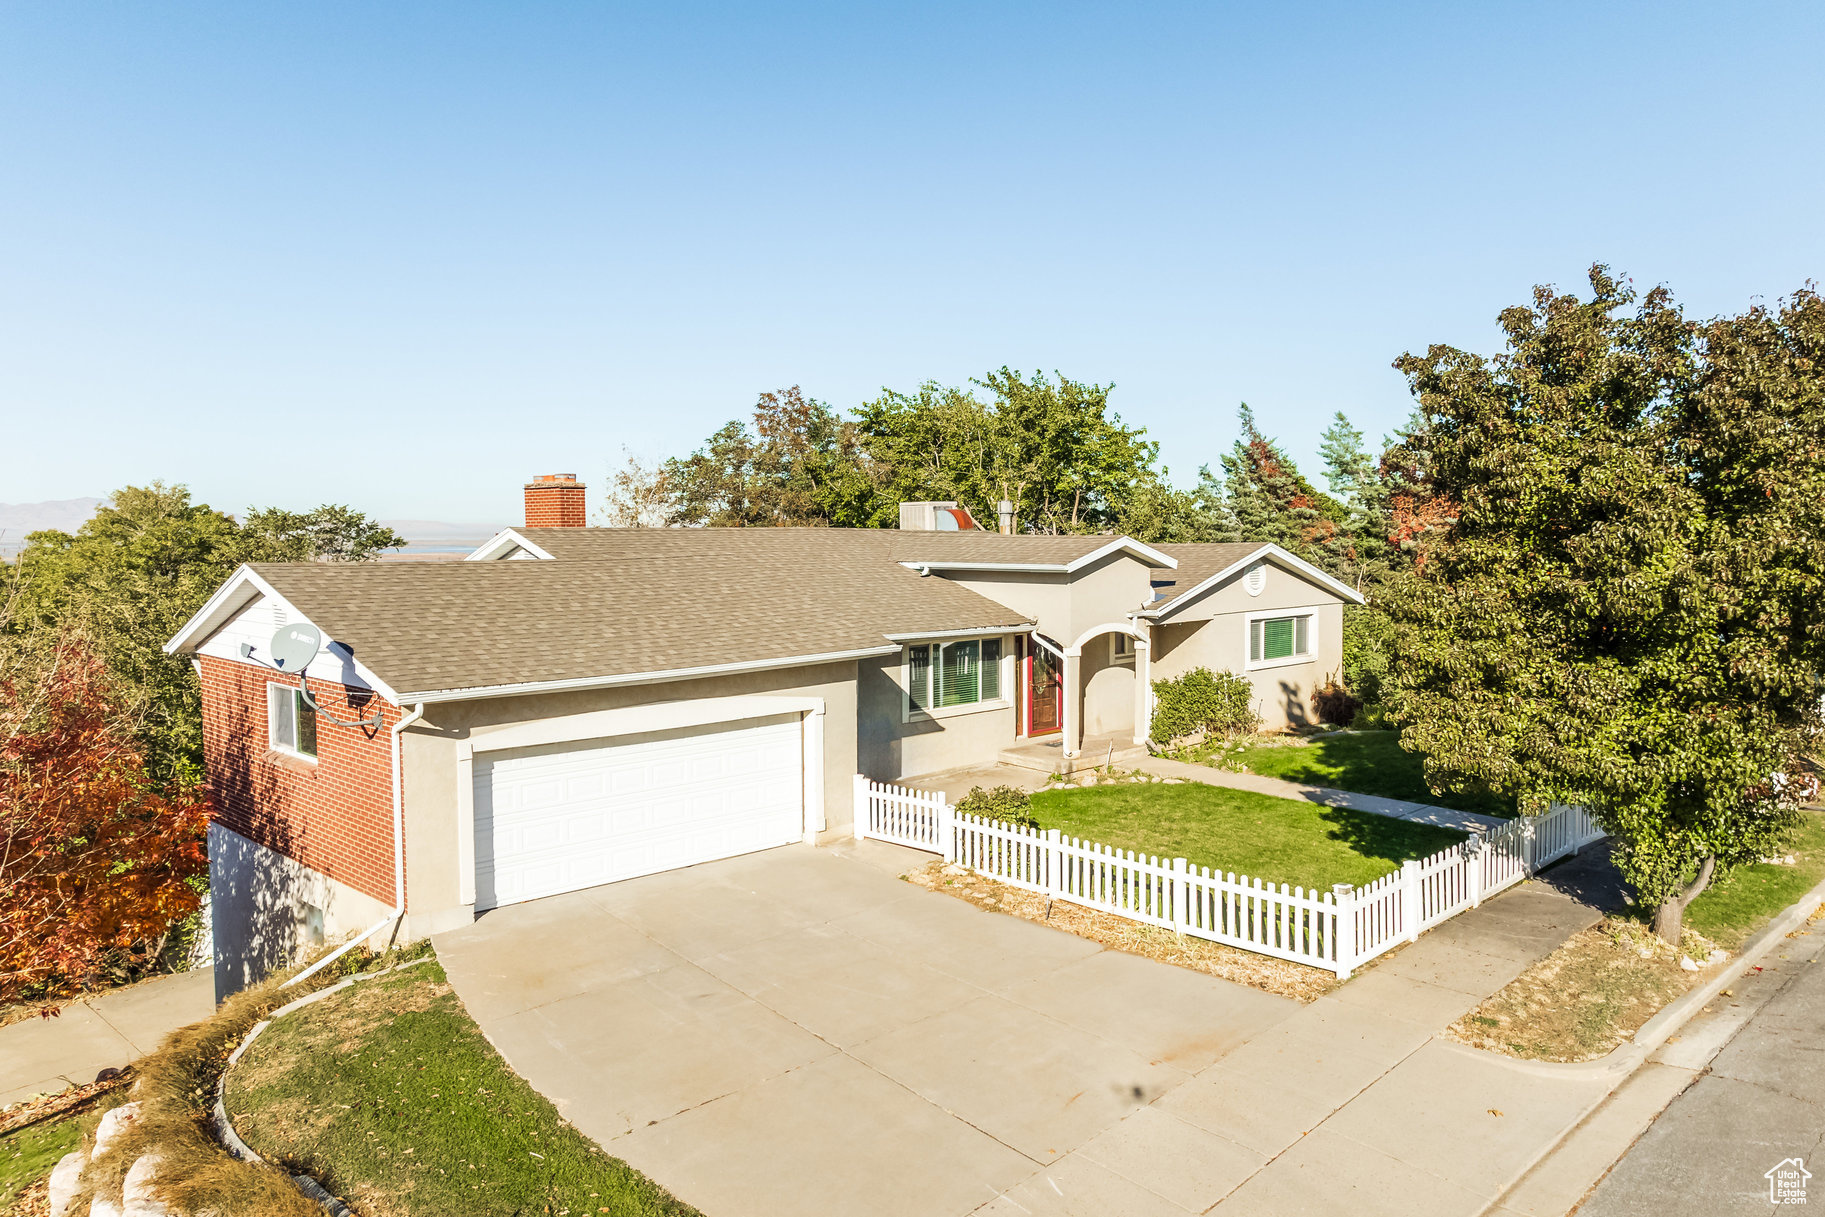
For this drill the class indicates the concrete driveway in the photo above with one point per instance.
(800, 1032)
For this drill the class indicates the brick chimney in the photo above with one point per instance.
(555, 500)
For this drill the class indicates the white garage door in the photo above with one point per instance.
(558, 818)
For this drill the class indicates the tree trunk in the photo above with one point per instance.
(1669, 918)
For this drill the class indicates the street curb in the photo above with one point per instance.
(1621, 1064)
(1627, 1058)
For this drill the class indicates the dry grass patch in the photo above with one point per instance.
(1585, 999)
(1262, 972)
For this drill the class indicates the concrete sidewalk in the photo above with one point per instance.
(45, 1055)
(1354, 1103)
(1399, 809)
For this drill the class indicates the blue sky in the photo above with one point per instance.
(405, 256)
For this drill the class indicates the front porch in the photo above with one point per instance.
(1047, 753)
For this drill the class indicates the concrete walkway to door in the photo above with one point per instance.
(797, 1031)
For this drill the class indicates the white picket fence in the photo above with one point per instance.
(1338, 930)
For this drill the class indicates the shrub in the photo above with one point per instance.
(1216, 703)
(1003, 803)
(1335, 704)
(1368, 634)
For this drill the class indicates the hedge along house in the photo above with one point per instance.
(574, 706)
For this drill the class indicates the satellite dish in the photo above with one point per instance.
(294, 646)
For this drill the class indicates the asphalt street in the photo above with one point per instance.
(1760, 1105)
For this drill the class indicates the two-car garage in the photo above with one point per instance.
(555, 817)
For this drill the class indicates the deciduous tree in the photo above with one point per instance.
(1626, 606)
(96, 860)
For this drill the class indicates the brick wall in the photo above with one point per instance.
(555, 500)
(335, 816)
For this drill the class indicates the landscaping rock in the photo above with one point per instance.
(1687, 964)
(66, 1177)
(113, 1123)
(136, 1196)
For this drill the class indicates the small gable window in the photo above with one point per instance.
(948, 675)
(291, 722)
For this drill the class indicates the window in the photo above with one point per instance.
(291, 722)
(1121, 648)
(945, 675)
(1273, 639)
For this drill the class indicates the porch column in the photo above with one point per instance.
(1143, 687)
(1074, 715)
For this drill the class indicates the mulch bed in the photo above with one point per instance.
(1263, 972)
(1585, 999)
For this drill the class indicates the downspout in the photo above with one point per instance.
(399, 857)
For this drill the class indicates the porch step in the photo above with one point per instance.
(1048, 754)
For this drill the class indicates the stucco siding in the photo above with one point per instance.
(1282, 693)
(1282, 588)
(1108, 690)
(438, 852)
(890, 748)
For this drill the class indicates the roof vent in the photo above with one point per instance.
(1255, 578)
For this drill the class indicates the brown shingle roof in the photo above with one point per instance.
(1196, 564)
(878, 543)
(669, 600)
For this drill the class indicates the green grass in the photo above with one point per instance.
(1746, 899)
(1370, 762)
(28, 1155)
(1278, 840)
(388, 1093)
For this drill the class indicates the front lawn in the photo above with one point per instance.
(1368, 762)
(389, 1095)
(1747, 898)
(1277, 840)
(27, 1156)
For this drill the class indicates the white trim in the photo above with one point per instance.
(1297, 564)
(273, 742)
(502, 540)
(635, 720)
(1250, 664)
(1120, 544)
(1146, 553)
(987, 631)
(232, 597)
(1110, 627)
(474, 693)
(1047, 568)
(915, 714)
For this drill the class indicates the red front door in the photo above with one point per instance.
(1043, 681)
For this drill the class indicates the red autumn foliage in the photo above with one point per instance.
(1415, 517)
(93, 860)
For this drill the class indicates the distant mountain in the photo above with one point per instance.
(436, 532)
(18, 520)
(428, 540)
